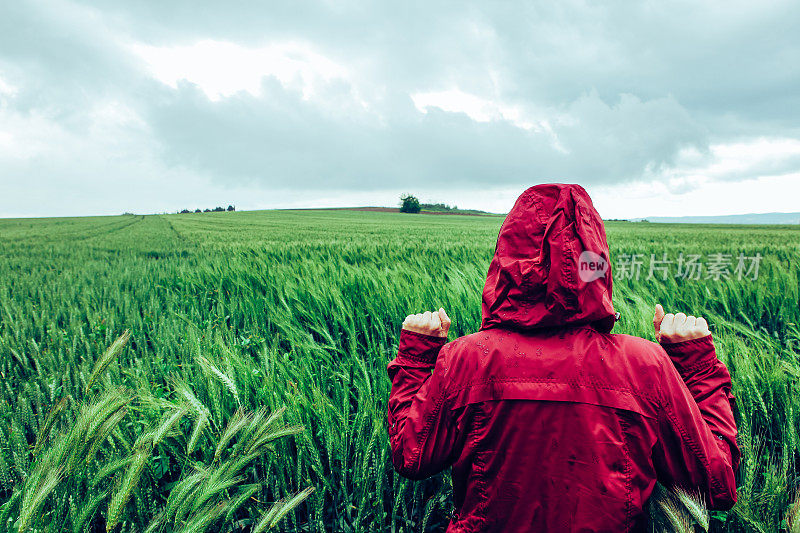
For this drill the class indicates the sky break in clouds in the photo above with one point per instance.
(656, 108)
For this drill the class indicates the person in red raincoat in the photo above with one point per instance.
(549, 421)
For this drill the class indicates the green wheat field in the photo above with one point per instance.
(227, 371)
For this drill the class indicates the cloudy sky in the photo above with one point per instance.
(657, 108)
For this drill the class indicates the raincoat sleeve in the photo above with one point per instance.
(421, 429)
(697, 447)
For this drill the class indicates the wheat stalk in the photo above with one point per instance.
(105, 360)
(677, 510)
(793, 514)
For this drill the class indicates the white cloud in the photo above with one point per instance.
(736, 159)
(484, 110)
(747, 176)
(477, 108)
(24, 136)
(758, 157)
(707, 197)
(6, 89)
(109, 165)
(222, 69)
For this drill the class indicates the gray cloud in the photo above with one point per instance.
(279, 137)
(743, 59)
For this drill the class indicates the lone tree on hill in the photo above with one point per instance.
(231, 208)
(409, 204)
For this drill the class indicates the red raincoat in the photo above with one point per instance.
(549, 421)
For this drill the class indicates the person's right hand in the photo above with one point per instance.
(678, 327)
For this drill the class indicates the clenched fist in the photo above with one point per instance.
(436, 323)
(678, 327)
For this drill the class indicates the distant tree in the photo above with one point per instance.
(198, 210)
(184, 211)
(409, 204)
(206, 210)
(218, 209)
(231, 208)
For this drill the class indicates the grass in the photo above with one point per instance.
(227, 371)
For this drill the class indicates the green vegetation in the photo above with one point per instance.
(409, 204)
(217, 209)
(453, 209)
(254, 367)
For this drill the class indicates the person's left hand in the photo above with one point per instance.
(435, 323)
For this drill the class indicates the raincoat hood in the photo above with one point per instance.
(551, 265)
